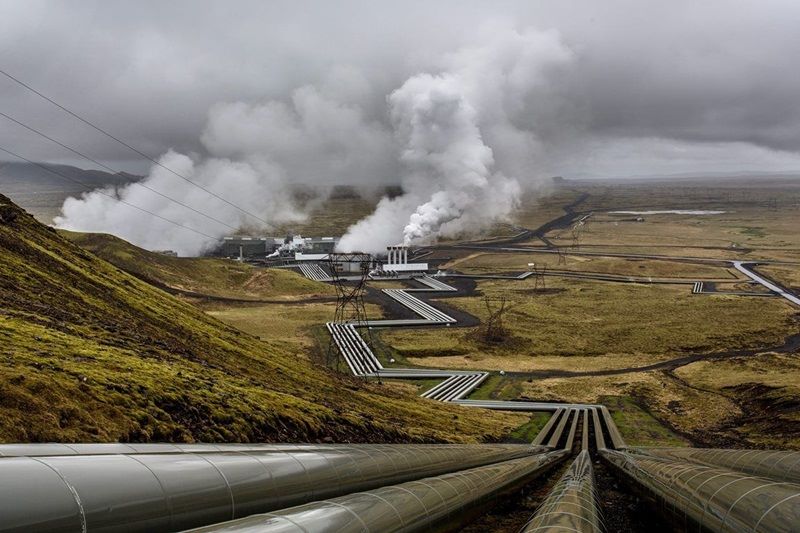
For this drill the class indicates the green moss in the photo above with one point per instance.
(528, 431)
(638, 427)
(497, 387)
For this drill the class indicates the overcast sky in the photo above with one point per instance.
(651, 86)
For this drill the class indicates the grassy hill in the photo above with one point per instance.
(203, 275)
(91, 353)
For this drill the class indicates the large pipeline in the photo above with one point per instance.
(774, 464)
(571, 504)
(173, 491)
(435, 503)
(715, 499)
(116, 448)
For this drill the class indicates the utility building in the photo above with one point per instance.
(245, 247)
(397, 260)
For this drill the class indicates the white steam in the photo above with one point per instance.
(464, 142)
(255, 185)
(468, 141)
(257, 152)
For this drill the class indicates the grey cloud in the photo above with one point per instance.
(706, 72)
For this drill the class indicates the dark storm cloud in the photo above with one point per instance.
(662, 73)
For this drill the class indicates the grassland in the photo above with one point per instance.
(487, 262)
(760, 218)
(290, 326)
(638, 427)
(766, 389)
(91, 353)
(528, 431)
(221, 278)
(789, 275)
(730, 232)
(586, 325)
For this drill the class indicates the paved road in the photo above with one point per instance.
(771, 285)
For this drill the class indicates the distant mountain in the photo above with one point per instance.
(26, 177)
(42, 193)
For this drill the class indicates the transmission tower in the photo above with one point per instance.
(562, 256)
(349, 272)
(576, 235)
(539, 273)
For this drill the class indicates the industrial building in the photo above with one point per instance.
(245, 247)
(397, 260)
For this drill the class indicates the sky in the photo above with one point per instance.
(654, 87)
(465, 104)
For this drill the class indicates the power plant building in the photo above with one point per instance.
(245, 247)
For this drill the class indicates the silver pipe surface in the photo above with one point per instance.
(571, 504)
(420, 505)
(714, 499)
(173, 491)
(775, 464)
(539, 439)
(117, 448)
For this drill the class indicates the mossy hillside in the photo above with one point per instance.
(204, 275)
(90, 353)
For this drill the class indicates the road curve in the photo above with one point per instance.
(774, 287)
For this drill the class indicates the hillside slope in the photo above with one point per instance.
(91, 353)
(204, 275)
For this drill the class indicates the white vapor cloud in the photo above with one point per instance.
(256, 153)
(255, 185)
(465, 160)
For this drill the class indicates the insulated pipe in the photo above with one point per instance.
(714, 499)
(539, 439)
(117, 448)
(600, 441)
(571, 436)
(556, 436)
(429, 504)
(585, 439)
(571, 504)
(172, 491)
(773, 464)
(616, 438)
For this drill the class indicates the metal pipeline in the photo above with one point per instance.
(773, 464)
(600, 441)
(585, 435)
(434, 503)
(710, 498)
(173, 491)
(571, 435)
(571, 504)
(616, 438)
(542, 435)
(556, 437)
(116, 448)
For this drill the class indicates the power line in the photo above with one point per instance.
(34, 130)
(123, 143)
(69, 178)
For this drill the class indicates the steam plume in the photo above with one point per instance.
(257, 152)
(464, 143)
(466, 161)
